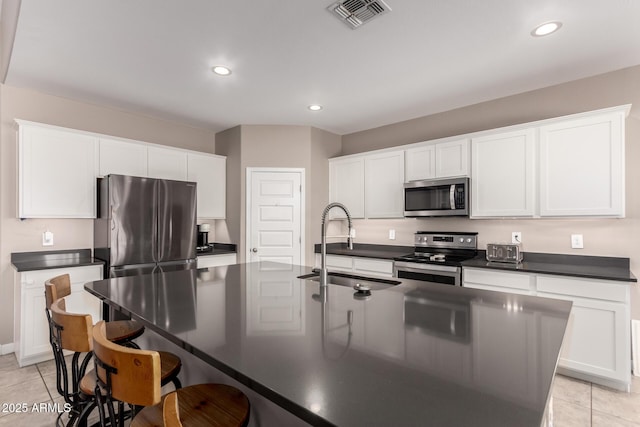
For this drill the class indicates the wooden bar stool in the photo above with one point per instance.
(119, 331)
(132, 376)
(73, 332)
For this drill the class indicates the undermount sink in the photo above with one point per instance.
(351, 280)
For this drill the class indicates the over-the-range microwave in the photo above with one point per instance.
(437, 197)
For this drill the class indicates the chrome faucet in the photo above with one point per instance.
(323, 246)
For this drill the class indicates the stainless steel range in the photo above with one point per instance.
(437, 257)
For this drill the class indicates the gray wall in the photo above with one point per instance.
(249, 146)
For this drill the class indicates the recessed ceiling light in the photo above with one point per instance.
(315, 107)
(221, 70)
(546, 29)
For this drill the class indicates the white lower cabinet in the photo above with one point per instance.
(358, 265)
(31, 330)
(597, 343)
(206, 261)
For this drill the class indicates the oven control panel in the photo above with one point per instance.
(448, 240)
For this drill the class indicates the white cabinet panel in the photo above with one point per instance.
(437, 160)
(452, 158)
(346, 186)
(31, 330)
(503, 173)
(206, 261)
(521, 283)
(384, 185)
(597, 338)
(420, 163)
(582, 167)
(167, 163)
(56, 173)
(122, 158)
(210, 172)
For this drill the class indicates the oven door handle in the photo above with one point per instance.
(446, 270)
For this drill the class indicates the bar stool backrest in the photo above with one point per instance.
(73, 330)
(55, 288)
(170, 411)
(129, 375)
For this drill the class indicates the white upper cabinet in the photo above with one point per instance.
(384, 185)
(503, 174)
(437, 160)
(420, 163)
(346, 186)
(452, 158)
(582, 166)
(56, 172)
(210, 172)
(122, 158)
(167, 163)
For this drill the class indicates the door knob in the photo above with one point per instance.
(254, 250)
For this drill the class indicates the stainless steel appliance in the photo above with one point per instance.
(145, 225)
(443, 197)
(504, 252)
(437, 257)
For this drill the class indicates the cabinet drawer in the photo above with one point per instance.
(340, 262)
(495, 278)
(586, 288)
(81, 275)
(377, 266)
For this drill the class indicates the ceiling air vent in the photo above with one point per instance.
(357, 12)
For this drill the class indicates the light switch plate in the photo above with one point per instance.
(392, 234)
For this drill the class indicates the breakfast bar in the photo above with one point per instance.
(411, 353)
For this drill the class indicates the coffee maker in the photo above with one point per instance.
(203, 236)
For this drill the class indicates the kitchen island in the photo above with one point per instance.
(412, 354)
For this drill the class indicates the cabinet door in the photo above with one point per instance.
(582, 167)
(56, 173)
(452, 158)
(503, 174)
(122, 157)
(35, 328)
(210, 172)
(420, 163)
(597, 338)
(384, 185)
(165, 163)
(346, 186)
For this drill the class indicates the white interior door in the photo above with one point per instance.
(274, 215)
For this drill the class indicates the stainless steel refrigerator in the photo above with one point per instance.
(145, 225)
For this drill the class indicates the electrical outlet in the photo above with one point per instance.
(516, 237)
(392, 234)
(352, 233)
(47, 238)
(576, 241)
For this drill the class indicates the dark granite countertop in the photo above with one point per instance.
(367, 250)
(591, 267)
(218, 249)
(43, 260)
(396, 358)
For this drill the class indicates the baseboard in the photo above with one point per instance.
(6, 349)
(635, 346)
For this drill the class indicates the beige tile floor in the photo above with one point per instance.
(573, 403)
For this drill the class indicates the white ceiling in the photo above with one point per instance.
(424, 57)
